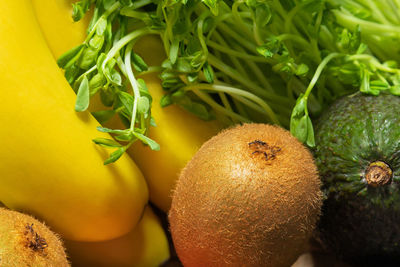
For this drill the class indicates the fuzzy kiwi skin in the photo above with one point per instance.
(233, 206)
(24, 241)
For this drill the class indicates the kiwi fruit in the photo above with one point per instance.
(24, 241)
(250, 196)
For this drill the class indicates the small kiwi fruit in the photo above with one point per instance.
(24, 241)
(250, 196)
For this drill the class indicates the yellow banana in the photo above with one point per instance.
(49, 166)
(179, 133)
(144, 246)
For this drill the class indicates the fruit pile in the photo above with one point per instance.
(219, 192)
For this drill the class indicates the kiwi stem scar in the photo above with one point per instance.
(378, 174)
(260, 147)
(34, 240)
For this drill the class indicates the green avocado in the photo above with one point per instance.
(358, 156)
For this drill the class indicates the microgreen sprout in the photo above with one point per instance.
(272, 61)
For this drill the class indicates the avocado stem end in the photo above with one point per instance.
(378, 174)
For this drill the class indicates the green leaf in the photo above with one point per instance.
(365, 84)
(171, 83)
(181, 24)
(157, 23)
(173, 50)
(166, 64)
(115, 155)
(300, 127)
(395, 90)
(193, 45)
(379, 85)
(108, 3)
(143, 105)
(88, 58)
(142, 86)
(100, 61)
(107, 97)
(112, 131)
(82, 97)
(96, 42)
(101, 26)
(166, 100)
(96, 82)
(138, 63)
(349, 73)
(310, 133)
(126, 100)
(103, 116)
(269, 49)
(115, 77)
(198, 60)
(302, 70)
(199, 110)
(106, 142)
(79, 9)
(144, 91)
(213, 5)
(182, 99)
(95, 17)
(300, 107)
(262, 14)
(183, 65)
(390, 64)
(67, 56)
(362, 48)
(208, 73)
(109, 71)
(151, 143)
(71, 73)
(127, 137)
(194, 77)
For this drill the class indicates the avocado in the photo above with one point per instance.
(358, 157)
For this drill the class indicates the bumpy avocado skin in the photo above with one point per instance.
(359, 222)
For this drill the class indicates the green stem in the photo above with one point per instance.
(279, 8)
(120, 62)
(110, 10)
(247, 83)
(132, 80)
(238, 19)
(243, 41)
(368, 27)
(235, 53)
(217, 107)
(237, 64)
(375, 62)
(200, 33)
(376, 12)
(124, 41)
(79, 79)
(293, 37)
(239, 92)
(318, 72)
(257, 72)
(151, 69)
(140, 3)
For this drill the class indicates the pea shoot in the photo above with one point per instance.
(275, 61)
